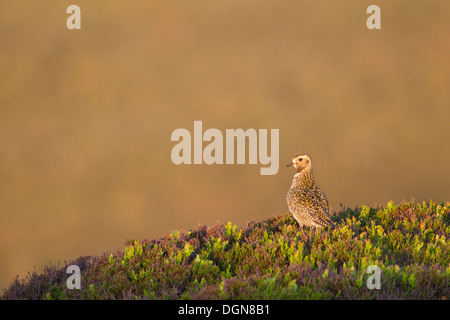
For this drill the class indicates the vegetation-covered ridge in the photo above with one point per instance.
(271, 259)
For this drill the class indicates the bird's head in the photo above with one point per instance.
(301, 162)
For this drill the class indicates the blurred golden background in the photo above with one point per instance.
(86, 116)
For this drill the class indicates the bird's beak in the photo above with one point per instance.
(290, 164)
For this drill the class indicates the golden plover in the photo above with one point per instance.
(307, 203)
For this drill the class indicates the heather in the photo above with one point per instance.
(271, 259)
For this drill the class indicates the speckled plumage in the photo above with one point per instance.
(307, 203)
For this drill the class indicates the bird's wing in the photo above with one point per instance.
(309, 205)
(321, 213)
(324, 211)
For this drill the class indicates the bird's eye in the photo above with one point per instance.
(300, 159)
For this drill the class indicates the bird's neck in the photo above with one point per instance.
(304, 178)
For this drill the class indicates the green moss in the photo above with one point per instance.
(271, 259)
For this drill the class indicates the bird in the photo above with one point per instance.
(306, 201)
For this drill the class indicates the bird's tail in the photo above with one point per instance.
(332, 224)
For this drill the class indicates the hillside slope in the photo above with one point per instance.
(271, 259)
